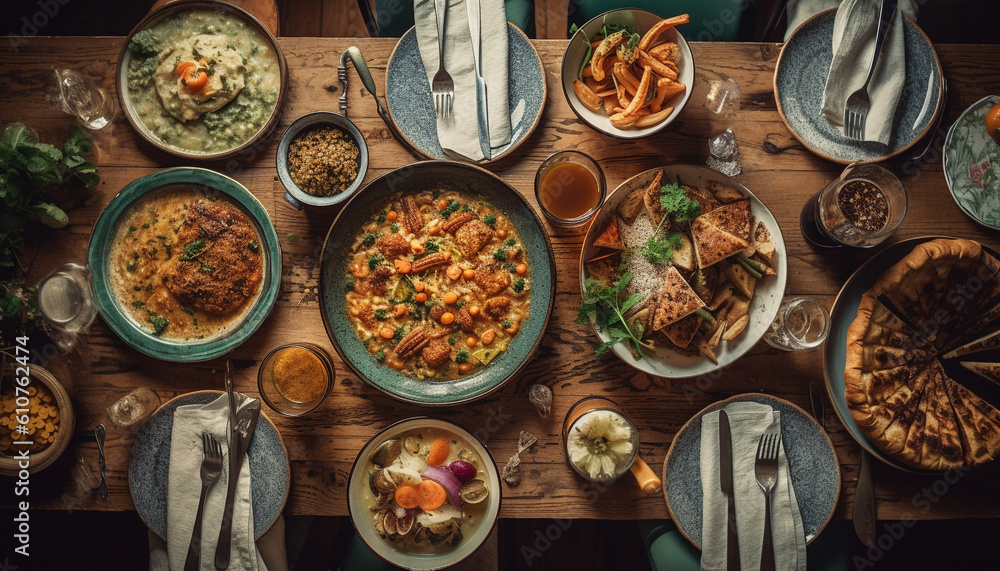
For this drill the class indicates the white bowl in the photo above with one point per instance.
(577, 50)
(357, 491)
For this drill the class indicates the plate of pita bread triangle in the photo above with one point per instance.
(913, 358)
(682, 271)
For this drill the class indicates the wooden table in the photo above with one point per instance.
(322, 446)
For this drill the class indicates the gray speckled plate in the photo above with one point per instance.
(811, 459)
(665, 362)
(800, 78)
(972, 164)
(148, 467)
(118, 318)
(408, 94)
(359, 210)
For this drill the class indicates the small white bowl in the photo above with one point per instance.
(642, 20)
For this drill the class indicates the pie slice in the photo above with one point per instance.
(989, 371)
(979, 423)
(611, 237)
(675, 300)
(941, 443)
(988, 342)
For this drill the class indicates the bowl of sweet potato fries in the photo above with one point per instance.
(628, 73)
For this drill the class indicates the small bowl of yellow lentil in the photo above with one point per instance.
(37, 418)
(322, 158)
(295, 379)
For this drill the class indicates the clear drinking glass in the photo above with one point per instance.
(570, 188)
(541, 397)
(133, 409)
(78, 96)
(801, 323)
(860, 209)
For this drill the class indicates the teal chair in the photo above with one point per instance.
(668, 550)
(391, 18)
(711, 20)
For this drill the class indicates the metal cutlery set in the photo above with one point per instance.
(766, 473)
(858, 103)
(243, 414)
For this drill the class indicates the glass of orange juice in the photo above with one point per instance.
(295, 379)
(570, 188)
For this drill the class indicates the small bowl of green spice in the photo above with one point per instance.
(322, 159)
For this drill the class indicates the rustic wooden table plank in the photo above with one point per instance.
(322, 446)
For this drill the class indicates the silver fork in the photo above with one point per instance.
(766, 471)
(211, 469)
(858, 104)
(443, 87)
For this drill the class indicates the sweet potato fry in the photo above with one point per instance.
(649, 39)
(620, 120)
(659, 68)
(673, 88)
(610, 102)
(661, 94)
(597, 86)
(609, 91)
(588, 98)
(640, 94)
(653, 118)
(624, 76)
(602, 52)
(666, 52)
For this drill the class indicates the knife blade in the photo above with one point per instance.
(240, 433)
(726, 480)
(100, 432)
(863, 511)
(475, 27)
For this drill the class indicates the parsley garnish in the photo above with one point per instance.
(518, 285)
(676, 203)
(381, 315)
(500, 255)
(607, 305)
(205, 268)
(380, 356)
(381, 217)
(452, 208)
(462, 357)
(453, 339)
(394, 228)
(368, 240)
(490, 220)
(192, 251)
(398, 335)
(348, 286)
(137, 304)
(660, 249)
(431, 247)
(159, 323)
(374, 261)
(507, 324)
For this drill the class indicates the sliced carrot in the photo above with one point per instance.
(421, 297)
(447, 318)
(195, 79)
(184, 67)
(417, 247)
(409, 496)
(469, 273)
(454, 272)
(472, 342)
(419, 286)
(432, 495)
(387, 333)
(403, 267)
(521, 269)
(473, 310)
(439, 452)
(391, 216)
(399, 310)
(442, 204)
(488, 337)
(450, 298)
(464, 368)
(512, 329)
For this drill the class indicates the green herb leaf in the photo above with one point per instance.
(192, 250)
(518, 285)
(676, 203)
(380, 356)
(159, 323)
(374, 261)
(368, 240)
(462, 357)
(660, 249)
(490, 220)
(431, 247)
(452, 208)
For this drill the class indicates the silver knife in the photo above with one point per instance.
(475, 27)
(100, 432)
(863, 511)
(240, 432)
(726, 479)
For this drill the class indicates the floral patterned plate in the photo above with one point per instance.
(972, 164)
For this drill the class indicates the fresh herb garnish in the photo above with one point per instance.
(609, 305)
(368, 240)
(453, 339)
(490, 220)
(192, 250)
(394, 228)
(159, 323)
(507, 324)
(431, 247)
(452, 208)
(348, 286)
(380, 356)
(381, 217)
(381, 315)
(660, 249)
(518, 285)
(398, 334)
(137, 304)
(500, 255)
(462, 357)
(510, 242)
(205, 268)
(676, 203)
(374, 261)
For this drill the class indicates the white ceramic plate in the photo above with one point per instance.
(767, 296)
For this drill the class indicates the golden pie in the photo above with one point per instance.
(896, 388)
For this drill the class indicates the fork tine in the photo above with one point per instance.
(204, 442)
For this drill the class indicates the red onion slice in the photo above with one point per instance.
(448, 481)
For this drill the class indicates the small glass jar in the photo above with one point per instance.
(801, 323)
(295, 379)
(860, 209)
(569, 188)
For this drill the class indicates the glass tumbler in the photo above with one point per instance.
(133, 409)
(860, 208)
(570, 188)
(801, 323)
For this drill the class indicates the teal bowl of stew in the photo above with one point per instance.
(334, 278)
(118, 317)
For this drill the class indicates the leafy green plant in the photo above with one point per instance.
(659, 249)
(29, 170)
(608, 305)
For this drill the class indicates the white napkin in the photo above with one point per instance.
(747, 422)
(853, 43)
(801, 10)
(459, 134)
(184, 490)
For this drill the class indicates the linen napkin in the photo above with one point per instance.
(853, 42)
(747, 422)
(184, 489)
(459, 134)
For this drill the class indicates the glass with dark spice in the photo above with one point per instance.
(860, 209)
